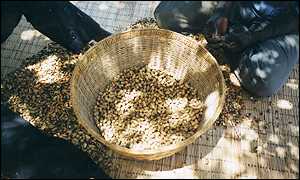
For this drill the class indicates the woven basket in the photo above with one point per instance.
(181, 56)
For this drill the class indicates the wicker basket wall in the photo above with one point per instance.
(179, 55)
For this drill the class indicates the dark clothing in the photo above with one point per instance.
(265, 67)
(184, 16)
(25, 151)
(267, 35)
(61, 21)
(28, 153)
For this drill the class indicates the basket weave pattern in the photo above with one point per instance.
(178, 55)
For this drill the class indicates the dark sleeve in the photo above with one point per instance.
(286, 22)
(63, 23)
(261, 29)
(49, 18)
(275, 28)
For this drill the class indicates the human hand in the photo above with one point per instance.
(217, 24)
(238, 37)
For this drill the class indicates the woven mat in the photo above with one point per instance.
(113, 16)
(267, 149)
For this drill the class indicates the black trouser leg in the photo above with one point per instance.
(265, 67)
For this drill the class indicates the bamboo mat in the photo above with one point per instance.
(113, 16)
(267, 149)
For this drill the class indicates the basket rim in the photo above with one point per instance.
(162, 149)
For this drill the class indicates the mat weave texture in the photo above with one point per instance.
(267, 149)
